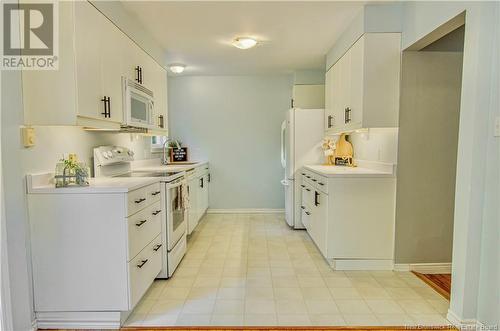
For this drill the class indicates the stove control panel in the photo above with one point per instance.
(107, 155)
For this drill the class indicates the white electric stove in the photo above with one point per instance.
(115, 161)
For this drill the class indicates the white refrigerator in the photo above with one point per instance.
(301, 137)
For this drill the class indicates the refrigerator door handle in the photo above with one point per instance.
(283, 155)
(284, 182)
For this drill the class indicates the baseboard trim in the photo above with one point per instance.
(34, 325)
(337, 264)
(424, 268)
(461, 323)
(246, 211)
(78, 320)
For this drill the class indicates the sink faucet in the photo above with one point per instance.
(164, 160)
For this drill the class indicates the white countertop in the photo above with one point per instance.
(44, 184)
(155, 165)
(364, 169)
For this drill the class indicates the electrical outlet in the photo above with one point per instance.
(497, 127)
(28, 136)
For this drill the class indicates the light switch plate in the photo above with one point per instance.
(497, 127)
(28, 136)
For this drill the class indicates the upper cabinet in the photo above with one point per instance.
(362, 87)
(94, 55)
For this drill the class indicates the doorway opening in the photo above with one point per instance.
(427, 153)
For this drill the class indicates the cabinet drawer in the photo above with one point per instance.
(143, 269)
(141, 198)
(316, 181)
(305, 216)
(143, 227)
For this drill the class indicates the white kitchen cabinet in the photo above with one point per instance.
(350, 219)
(93, 253)
(362, 87)
(98, 49)
(94, 55)
(198, 186)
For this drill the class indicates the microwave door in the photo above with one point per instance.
(139, 109)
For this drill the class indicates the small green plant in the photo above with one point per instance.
(174, 143)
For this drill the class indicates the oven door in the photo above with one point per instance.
(176, 220)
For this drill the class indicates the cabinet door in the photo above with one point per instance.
(344, 87)
(193, 205)
(320, 221)
(328, 100)
(132, 59)
(159, 88)
(88, 60)
(202, 195)
(337, 96)
(356, 79)
(112, 68)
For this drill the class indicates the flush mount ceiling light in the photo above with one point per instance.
(244, 42)
(177, 68)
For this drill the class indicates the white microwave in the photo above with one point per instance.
(138, 105)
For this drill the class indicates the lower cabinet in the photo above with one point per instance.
(93, 254)
(198, 190)
(350, 219)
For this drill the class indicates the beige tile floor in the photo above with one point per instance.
(254, 270)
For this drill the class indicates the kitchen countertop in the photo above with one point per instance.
(364, 169)
(43, 184)
(155, 165)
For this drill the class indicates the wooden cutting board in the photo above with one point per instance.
(344, 148)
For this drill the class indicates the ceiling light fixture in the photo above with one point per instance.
(244, 42)
(177, 68)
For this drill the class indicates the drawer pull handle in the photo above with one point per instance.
(302, 185)
(320, 183)
(308, 190)
(302, 207)
(314, 180)
(308, 213)
(143, 262)
(138, 224)
(157, 247)
(308, 176)
(156, 212)
(140, 200)
(156, 193)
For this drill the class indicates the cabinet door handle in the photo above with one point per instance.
(157, 247)
(140, 200)
(138, 70)
(139, 224)
(160, 122)
(316, 196)
(209, 178)
(156, 212)
(330, 118)
(156, 193)
(143, 262)
(201, 182)
(137, 77)
(347, 115)
(107, 106)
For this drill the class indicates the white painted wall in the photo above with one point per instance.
(234, 122)
(478, 152)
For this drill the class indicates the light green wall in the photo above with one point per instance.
(234, 122)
